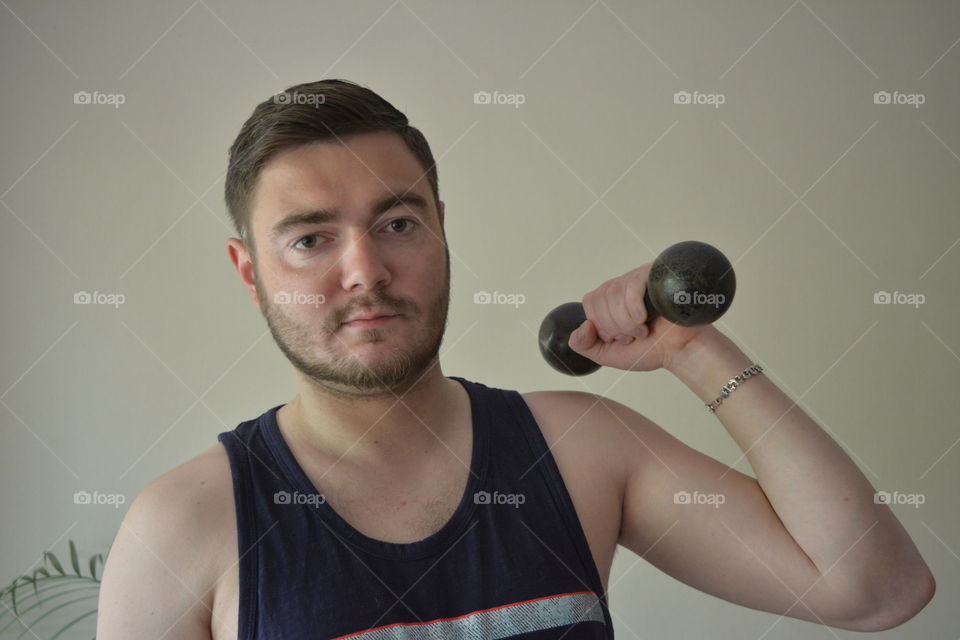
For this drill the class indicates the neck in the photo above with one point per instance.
(380, 425)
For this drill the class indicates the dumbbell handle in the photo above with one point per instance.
(678, 269)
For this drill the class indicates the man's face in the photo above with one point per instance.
(332, 243)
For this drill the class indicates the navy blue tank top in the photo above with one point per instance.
(511, 562)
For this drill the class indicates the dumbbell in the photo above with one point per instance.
(690, 284)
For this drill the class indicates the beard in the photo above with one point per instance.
(395, 369)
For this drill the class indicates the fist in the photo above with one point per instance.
(616, 333)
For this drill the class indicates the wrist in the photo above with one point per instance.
(707, 363)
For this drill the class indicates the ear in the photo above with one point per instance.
(440, 212)
(240, 257)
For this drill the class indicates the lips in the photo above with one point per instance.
(371, 316)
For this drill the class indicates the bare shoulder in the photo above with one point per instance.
(207, 472)
(169, 553)
(199, 491)
(597, 428)
(194, 503)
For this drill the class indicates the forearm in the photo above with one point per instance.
(822, 498)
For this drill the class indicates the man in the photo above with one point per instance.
(386, 500)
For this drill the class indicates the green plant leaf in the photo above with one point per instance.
(93, 565)
(73, 558)
(13, 592)
(53, 561)
(48, 584)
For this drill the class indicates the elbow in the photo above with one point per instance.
(910, 600)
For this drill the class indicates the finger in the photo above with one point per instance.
(636, 309)
(588, 343)
(595, 307)
(583, 338)
(626, 327)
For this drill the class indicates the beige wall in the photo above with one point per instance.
(819, 195)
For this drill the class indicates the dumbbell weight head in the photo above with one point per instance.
(554, 339)
(691, 284)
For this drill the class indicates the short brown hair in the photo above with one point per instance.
(305, 113)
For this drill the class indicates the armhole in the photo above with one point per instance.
(246, 535)
(558, 489)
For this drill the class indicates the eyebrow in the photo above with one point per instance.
(319, 216)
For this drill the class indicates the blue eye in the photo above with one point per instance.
(406, 220)
(313, 236)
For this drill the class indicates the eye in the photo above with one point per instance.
(306, 242)
(407, 223)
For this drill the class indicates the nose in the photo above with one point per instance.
(362, 265)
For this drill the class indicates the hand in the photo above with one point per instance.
(615, 333)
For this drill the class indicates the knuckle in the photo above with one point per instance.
(635, 305)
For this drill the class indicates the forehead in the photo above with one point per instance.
(331, 171)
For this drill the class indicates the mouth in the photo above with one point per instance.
(370, 321)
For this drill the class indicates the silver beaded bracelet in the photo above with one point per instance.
(732, 385)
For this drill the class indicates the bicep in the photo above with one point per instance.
(712, 527)
(150, 588)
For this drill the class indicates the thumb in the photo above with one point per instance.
(583, 338)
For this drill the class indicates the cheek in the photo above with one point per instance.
(314, 281)
(426, 283)
(300, 303)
